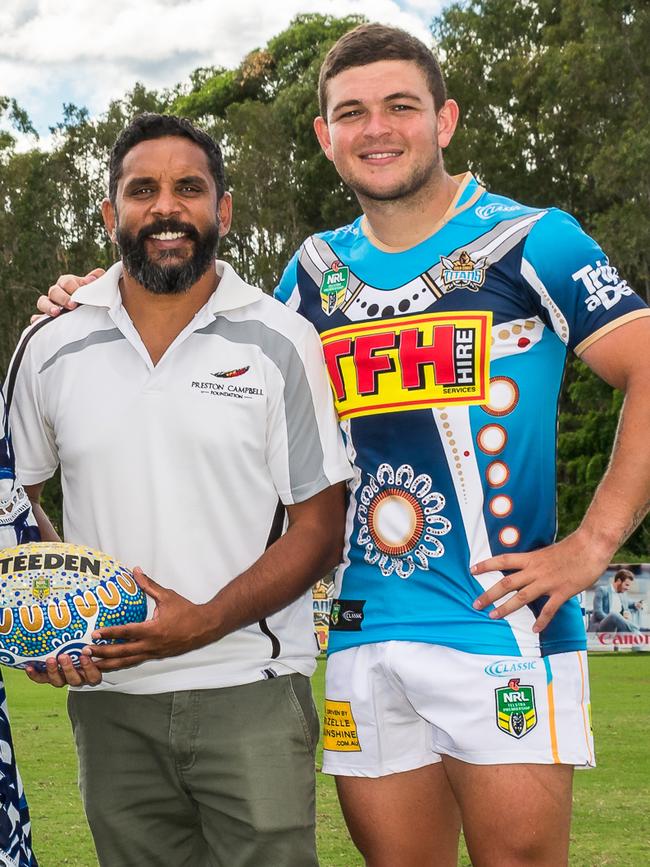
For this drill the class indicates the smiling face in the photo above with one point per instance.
(382, 131)
(166, 218)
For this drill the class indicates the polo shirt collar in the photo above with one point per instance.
(230, 294)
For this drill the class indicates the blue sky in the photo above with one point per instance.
(87, 53)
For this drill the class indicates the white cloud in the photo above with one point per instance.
(88, 53)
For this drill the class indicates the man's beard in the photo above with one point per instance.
(172, 278)
(419, 178)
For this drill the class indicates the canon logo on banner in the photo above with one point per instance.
(628, 638)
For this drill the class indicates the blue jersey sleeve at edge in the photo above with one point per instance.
(288, 280)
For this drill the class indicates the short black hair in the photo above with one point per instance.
(369, 43)
(149, 126)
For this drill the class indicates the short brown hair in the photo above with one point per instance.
(369, 43)
(624, 575)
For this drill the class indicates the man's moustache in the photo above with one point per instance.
(168, 226)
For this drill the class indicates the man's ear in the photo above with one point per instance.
(110, 219)
(323, 135)
(447, 122)
(224, 214)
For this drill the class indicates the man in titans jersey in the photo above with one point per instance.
(457, 677)
(456, 680)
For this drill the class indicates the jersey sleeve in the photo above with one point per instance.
(576, 289)
(287, 289)
(33, 439)
(305, 451)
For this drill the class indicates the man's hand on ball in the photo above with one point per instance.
(59, 296)
(177, 626)
(61, 671)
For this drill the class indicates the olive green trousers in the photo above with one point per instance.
(203, 778)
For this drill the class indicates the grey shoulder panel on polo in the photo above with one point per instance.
(306, 466)
(92, 339)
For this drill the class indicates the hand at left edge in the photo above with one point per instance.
(177, 626)
(558, 571)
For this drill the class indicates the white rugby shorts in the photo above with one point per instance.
(400, 705)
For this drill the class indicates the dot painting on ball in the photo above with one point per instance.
(53, 595)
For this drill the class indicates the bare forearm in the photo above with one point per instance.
(285, 571)
(310, 547)
(45, 527)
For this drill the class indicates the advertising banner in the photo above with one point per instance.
(323, 593)
(617, 609)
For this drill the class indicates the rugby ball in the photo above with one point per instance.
(54, 594)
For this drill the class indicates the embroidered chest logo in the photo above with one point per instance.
(228, 374)
(463, 273)
(229, 389)
(334, 286)
(516, 712)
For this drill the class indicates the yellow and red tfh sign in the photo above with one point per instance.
(409, 363)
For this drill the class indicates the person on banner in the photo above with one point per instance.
(457, 674)
(17, 525)
(192, 419)
(613, 609)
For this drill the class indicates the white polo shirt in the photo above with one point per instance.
(178, 468)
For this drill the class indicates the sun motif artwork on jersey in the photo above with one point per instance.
(400, 521)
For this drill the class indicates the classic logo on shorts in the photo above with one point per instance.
(463, 273)
(333, 287)
(409, 362)
(516, 712)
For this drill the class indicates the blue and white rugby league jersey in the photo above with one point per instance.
(446, 362)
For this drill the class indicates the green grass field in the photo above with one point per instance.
(611, 817)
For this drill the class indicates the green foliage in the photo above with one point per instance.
(554, 102)
(262, 113)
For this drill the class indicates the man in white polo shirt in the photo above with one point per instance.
(187, 409)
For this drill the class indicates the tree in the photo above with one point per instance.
(554, 100)
(284, 189)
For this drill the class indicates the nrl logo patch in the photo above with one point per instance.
(40, 586)
(334, 286)
(463, 273)
(516, 712)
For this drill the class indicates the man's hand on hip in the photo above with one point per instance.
(558, 572)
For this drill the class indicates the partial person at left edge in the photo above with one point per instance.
(17, 525)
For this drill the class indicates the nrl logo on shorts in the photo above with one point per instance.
(334, 286)
(463, 273)
(516, 713)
